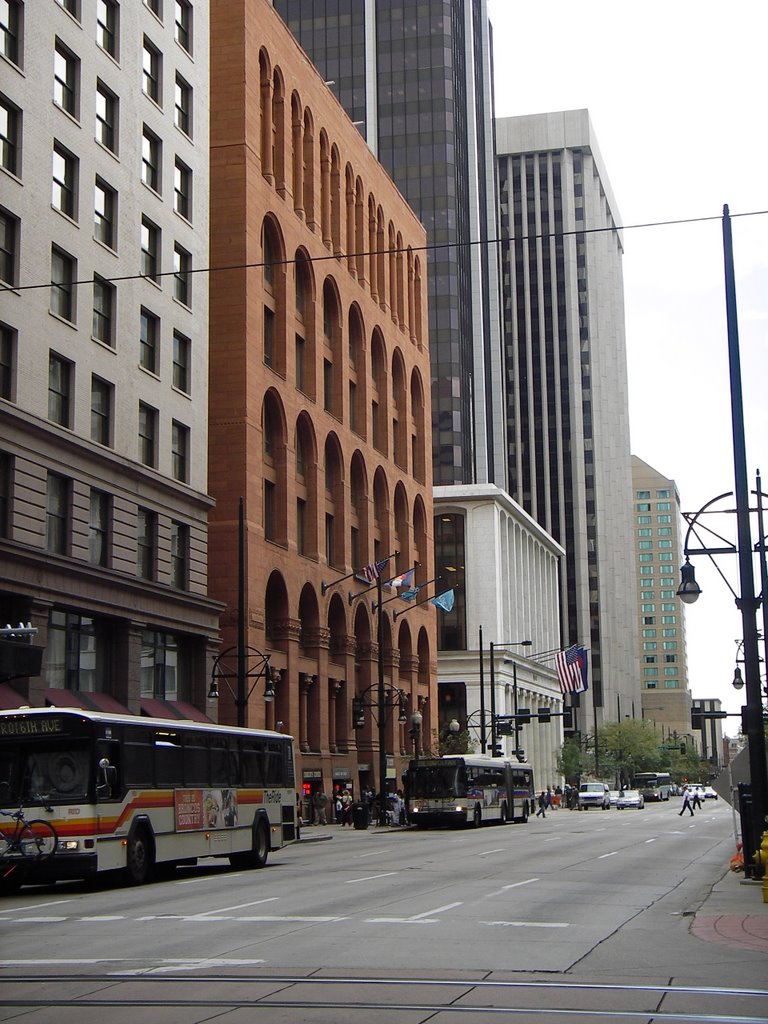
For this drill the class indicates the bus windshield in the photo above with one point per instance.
(436, 780)
(50, 769)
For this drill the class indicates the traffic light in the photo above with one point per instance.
(523, 716)
(568, 718)
(358, 715)
(545, 714)
(696, 719)
(496, 750)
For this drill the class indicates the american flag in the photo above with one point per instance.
(571, 667)
(373, 571)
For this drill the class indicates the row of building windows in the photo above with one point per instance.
(350, 222)
(79, 651)
(64, 270)
(645, 495)
(59, 525)
(61, 386)
(645, 520)
(107, 24)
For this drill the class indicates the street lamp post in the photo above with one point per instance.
(747, 602)
(510, 643)
(416, 722)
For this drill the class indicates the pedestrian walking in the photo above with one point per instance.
(542, 811)
(346, 808)
(321, 808)
(696, 798)
(687, 802)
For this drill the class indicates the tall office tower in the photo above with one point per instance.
(416, 79)
(104, 351)
(568, 415)
(664, 668)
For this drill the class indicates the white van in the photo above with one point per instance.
(594, 794)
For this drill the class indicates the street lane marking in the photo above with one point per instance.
(604, 855)
(527, 924)
(103, 917)
(37, 906)
(370, 878)
(650, 840)
(487, 853)
(238, 906)
(429, 913)
(512, 885)
(375, 853)
(423, 918)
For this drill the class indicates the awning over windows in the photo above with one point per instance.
(86, 701)
(180, 709)
(11, 699)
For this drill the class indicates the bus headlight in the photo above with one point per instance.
(67, 845)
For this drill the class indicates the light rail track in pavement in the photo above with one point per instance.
(136, 985)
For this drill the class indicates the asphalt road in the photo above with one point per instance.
(580, 916)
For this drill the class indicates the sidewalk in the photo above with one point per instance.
(734, 914)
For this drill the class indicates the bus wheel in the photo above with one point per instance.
(477, 819)
(138, 867)
(257, 856)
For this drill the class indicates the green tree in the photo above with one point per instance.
(572, 761)
(626, 747)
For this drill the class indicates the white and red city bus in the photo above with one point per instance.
(469, 789)
(129, 793)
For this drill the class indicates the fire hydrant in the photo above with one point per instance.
(762, 859)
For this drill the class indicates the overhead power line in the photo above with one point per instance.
(429, 247)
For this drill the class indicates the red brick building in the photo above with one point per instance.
(319, 407)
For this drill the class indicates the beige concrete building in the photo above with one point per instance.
(104, 351)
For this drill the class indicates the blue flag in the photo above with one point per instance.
(445, 600)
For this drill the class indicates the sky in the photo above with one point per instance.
(676, 92)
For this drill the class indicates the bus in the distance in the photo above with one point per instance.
(469, 789)
(127, 793)
(653, 785)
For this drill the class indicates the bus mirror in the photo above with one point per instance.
(107, 780)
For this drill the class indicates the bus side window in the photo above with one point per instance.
(195, 760)
(252, 763)
(223, 763)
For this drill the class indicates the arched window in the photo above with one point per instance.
(278, 132)
(334, 503)
(379, 398)
(304, 335)
(309, 171)
(332, 361)
(274, 518)
(357, 397)
(399, 411)
(273, 279)
(265, 107)
(297, 155)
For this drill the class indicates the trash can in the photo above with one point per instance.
(360, 815)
